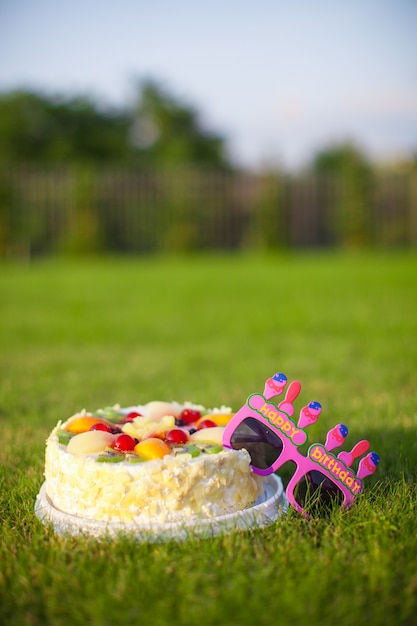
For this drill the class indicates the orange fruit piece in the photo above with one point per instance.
(83, 423)
(152, 448)
(220, 419)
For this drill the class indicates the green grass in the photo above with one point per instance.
(212, 329)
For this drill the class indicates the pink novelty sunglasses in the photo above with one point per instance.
(268, 433)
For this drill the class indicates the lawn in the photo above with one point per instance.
(211, 329)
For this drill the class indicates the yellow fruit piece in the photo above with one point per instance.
(152, 448)
(155, 409)
(221, 419)
(82, 424)
(146, 427)
(90, 442)
(209, 435)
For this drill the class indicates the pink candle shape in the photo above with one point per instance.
(286, 405)
(348, 457)
(275, 385)
(368, 465)
(336, 436)
(309, 414)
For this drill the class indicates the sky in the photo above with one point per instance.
(278, 79)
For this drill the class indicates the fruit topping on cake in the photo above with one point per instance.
(145, 433)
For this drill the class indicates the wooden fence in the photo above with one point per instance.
(51, 210)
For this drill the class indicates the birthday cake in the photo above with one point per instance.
(159, 462)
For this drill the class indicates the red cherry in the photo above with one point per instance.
(206, 424)
(124, 443)
(129, 417)
(176, 435)
(102, 426)
(190, 415)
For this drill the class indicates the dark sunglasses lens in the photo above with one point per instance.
(315, 492)
(263, 445)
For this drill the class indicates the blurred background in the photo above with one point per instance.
(167, 127)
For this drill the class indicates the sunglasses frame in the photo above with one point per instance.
(292, 436)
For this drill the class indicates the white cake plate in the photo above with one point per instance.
(264, 512)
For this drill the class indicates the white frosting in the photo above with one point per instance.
(174, 488)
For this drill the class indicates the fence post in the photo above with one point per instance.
(412, 208)
(83, 234)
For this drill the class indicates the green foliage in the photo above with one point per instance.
(157, 130)
(212, 329)
(36, 128)
(168, 132)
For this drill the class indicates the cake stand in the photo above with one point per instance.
(266, 510)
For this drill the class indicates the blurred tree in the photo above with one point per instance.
(166, 131)
(35, 128)
(344, 158)
(157, 131)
